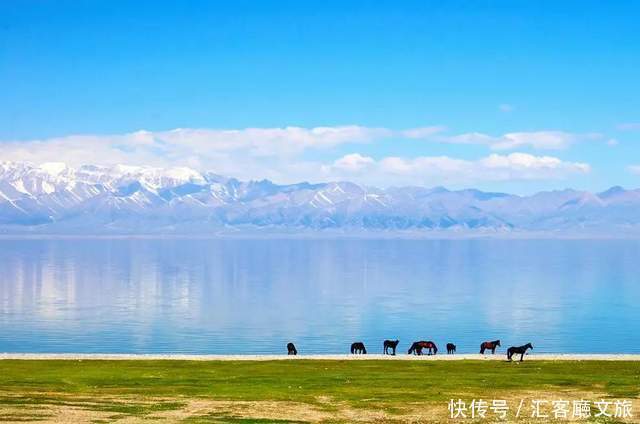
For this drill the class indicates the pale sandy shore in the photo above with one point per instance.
(333, 357)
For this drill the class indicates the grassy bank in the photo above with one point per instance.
(303, 391)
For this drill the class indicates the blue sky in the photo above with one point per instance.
(562, 76)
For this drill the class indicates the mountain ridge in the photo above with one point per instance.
(54, 198)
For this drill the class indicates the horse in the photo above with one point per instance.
(451, 348)
(513, 350)
(390, 344)
(489, 345)
(291, 349)
(358, 347)
(416, 348)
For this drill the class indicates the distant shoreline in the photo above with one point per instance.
(324, 357)
(311, 236)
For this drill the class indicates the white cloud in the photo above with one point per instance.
(437, 170)
(544, 140)
(612, 142)
(422, 132)
(243, 153)
(353, 162)
(634, 169)
(629, 126)
(206, 147)
(281, 154)
(505, 108)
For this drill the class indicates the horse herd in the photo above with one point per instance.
(417, 348)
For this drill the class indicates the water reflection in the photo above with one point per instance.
(252, 296)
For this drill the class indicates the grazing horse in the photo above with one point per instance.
(416, 348)
(451, 348)
(358, 347)
(513, 350)
(291, 349)
(390, 344)
(489, 345)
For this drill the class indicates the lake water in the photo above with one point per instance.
(253, 296)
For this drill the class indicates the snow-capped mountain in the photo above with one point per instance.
(55, 198)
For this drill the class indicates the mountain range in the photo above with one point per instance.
(54, 198)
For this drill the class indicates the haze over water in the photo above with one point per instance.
(253, 296)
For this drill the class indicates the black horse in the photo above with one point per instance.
(451, 348)
(358, 347)
(390, 344)
(416, 348)
(489, 345)
(291, 349)
(514, 350)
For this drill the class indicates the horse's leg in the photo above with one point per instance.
(521, 356)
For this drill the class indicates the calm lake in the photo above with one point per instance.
(253, 296)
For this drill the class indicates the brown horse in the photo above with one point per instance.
(489, 345)
(358, 347)
(451, 348)
(291, 349)
(416, 348)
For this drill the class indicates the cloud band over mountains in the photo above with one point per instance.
(281, 154)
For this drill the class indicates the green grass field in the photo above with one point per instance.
(292, 391)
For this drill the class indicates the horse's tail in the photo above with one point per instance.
(435, 349)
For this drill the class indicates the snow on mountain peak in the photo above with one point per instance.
(53, 168)
(151, 199)
(184, 174)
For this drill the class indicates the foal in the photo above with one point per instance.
(390, 344)
(513, 350)
(451, 348)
